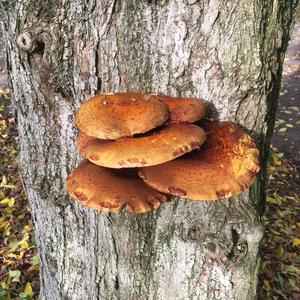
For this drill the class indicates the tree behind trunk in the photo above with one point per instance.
(62, 52)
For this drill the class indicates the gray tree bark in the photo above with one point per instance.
(62, 52)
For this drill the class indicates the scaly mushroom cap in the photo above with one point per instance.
(183, 109)
(112, 116)
(224, 166)
(159, 147)
(110, 190)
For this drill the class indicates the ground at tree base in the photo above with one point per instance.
(280, 249)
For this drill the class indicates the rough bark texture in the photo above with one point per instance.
(61, 52)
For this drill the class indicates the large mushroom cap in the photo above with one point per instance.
(159, 147)
(183, 109)
(112, 116)
(110, 190)
(224, 166)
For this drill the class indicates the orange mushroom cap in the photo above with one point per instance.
(159, 147)
(183, 109)
(224, 166)
(111, 190)
(112, 116)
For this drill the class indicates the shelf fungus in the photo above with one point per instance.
(111, 190)
(225, 166)
(155, 148)
(120, 132)
(116, 115)
(183, 110)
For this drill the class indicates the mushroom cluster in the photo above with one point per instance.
(138, 149)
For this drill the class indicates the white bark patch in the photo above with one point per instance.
(212, 12)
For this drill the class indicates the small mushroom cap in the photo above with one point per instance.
(112, 116)
(183, 109)
(111, 190)
(159, 147)
(224, 166)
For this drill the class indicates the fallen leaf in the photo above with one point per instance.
(14, 275)
(28, 290)
(296, 242)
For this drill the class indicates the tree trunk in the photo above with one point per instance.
(62, 52)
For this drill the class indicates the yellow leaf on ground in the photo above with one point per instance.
(14, 275)
(276, 159)
(35, 260)
(267, 285)
(280, 251)
(296, 242)
(28, 290)
(5, 184)
(8, 201)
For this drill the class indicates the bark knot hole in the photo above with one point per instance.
(212, 247)
(25, 42)
(239, 247)
(235, 240)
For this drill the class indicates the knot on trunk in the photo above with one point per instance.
(235, 244)
(33, 39)
(216, 248)
(26, 42)
(31, 43)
